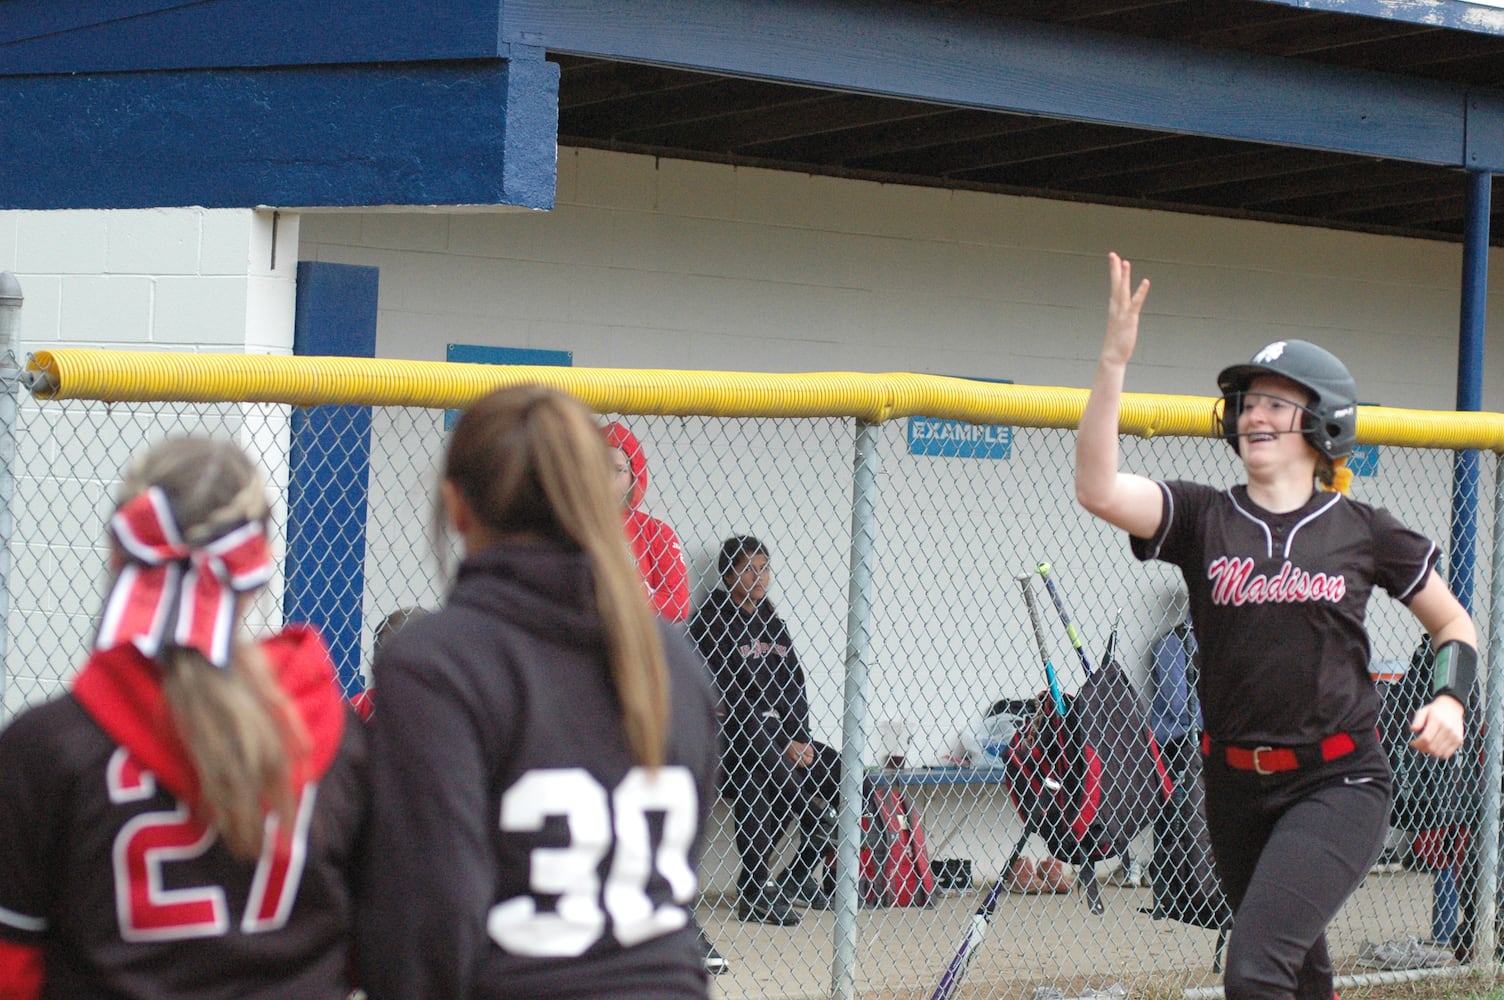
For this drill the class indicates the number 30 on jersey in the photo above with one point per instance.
(600, 822)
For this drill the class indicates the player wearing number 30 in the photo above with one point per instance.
(543, 760)
(181, 823)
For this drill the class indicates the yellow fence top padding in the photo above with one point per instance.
(150, 376)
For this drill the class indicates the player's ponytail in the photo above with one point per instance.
(1334, 474)
(235, 723)
(531, 460)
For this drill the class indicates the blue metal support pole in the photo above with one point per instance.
(1470, 381)
(1465, 495)
(854, 718)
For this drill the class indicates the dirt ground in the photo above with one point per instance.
(1046, 943)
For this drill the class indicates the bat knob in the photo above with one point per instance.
(1043, 569)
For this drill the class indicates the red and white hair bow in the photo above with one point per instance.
(171, 593)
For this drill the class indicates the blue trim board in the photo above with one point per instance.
(92, 36)
(973, 60)
(329, 467)
(485, 354)
(469, 133)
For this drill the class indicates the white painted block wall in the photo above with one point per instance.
(183, 279)
(169, 279)
(662, 263)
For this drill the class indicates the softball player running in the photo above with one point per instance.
(1279, 571)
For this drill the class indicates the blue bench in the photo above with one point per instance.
(909, 777)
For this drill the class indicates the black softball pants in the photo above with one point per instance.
(1290, 848)
(767, 794)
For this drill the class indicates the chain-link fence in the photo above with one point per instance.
(894, 556)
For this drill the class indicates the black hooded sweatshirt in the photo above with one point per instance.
(516, 850)
(752, 661)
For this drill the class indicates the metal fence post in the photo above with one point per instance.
(1485, 943)
(10, 376)
(854, 719)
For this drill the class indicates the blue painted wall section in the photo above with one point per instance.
(468, 133)
(329, 470)
(91, 36)
(484, 354)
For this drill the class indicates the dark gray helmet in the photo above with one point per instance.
(1331, 421)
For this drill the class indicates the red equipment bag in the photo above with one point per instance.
(905, 861)
(894, 866)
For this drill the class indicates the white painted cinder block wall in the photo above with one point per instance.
(182, 279)
(664, 263)
(178, 279)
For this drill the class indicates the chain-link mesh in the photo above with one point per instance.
(950, 640)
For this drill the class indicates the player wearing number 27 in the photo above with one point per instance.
(181, 824)
(1280, 570)
(543, 760)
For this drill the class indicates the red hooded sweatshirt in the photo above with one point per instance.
(653, 542)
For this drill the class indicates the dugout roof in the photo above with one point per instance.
(1361, 114)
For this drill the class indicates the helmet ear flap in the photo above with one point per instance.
(1225, 417)
(1334, 432)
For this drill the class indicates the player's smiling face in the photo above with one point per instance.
(1270, 409)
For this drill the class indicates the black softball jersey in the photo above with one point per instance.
(517, 849)
(107, 871)
(1279, 602)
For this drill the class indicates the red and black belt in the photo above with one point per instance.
(1272, 760)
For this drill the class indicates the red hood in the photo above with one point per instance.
(617, 436)
(122, 691)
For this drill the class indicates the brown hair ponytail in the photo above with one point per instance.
(531, 460)
(236, 724)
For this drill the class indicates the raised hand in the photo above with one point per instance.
(1123, 306)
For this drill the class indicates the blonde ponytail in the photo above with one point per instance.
(1334, 474)
(236, 724)
(531, 459)
(237, 727)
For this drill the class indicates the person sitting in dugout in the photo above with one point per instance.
(771, 769)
